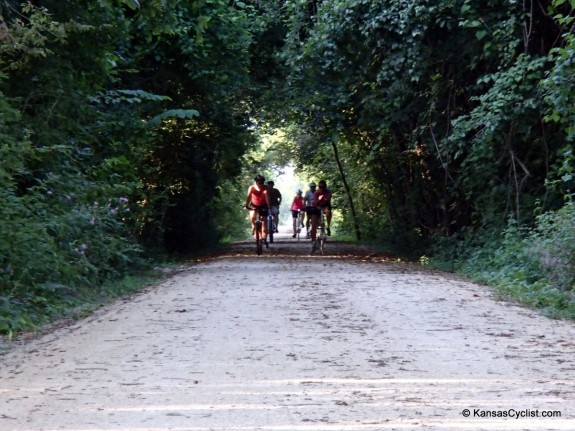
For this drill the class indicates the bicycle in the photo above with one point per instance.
(258, 231)
(299, 223)
(321, 236)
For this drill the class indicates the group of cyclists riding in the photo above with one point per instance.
(261, 198)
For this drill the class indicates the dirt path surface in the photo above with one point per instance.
(291, 342)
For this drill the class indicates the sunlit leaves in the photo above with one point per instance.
(21, 39)
(178, 113)
(133, 4)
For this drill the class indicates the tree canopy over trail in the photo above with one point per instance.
(131, 127)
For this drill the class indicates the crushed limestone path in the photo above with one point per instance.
(294, 342)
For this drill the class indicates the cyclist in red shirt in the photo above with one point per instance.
(258, 200)
(321, 202)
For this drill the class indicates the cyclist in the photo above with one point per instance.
(309, 207)
(258, 199)
(297, 206)
(321, 203)
(275, 200)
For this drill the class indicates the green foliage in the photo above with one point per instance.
(179, 113)
(359, 70)
(531, 265)
(559, 85)
(118, 127)
(28, 36)
(64, 193)
(440, 105)
(134, 4)
(228, 217)
(552, 246)
(195, 53)
(493, 134)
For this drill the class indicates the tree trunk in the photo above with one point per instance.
(347, 191)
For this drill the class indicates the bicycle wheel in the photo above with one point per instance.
(259, 247)
(321, 238)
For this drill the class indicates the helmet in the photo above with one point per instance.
(298, 192)
(312, 184)
(259, 179)
(322, 183)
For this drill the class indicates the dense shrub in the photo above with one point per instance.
(56, 245)
(533, 265)
(64, 230)
(552, 246)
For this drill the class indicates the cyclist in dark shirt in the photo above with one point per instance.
(309, 208)
(275, 200)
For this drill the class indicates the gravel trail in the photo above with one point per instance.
(288, 341)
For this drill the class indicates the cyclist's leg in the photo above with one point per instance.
(276, 214)
(253, 217)
(314, 223)
(308, 211)
(294, 216)
(258, 236)
(257, 230)
(327, 213)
